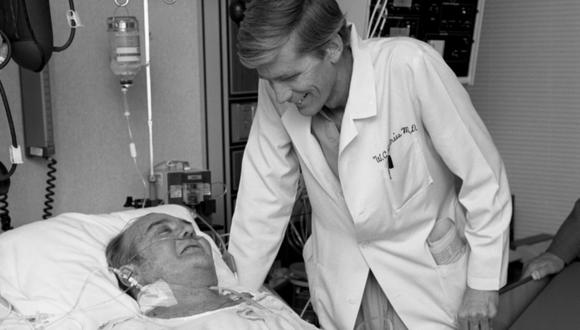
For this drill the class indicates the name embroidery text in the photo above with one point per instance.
(383, 155)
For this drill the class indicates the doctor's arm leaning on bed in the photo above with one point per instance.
(381, 130)
(169, 269)
(564, 248)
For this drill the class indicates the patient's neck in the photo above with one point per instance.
(191, 301)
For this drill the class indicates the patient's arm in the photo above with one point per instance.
(564, 248)
(566, 243)
(543, 265)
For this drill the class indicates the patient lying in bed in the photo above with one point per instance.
(161, 262)
(54, 275)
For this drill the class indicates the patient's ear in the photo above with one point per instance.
(126, 275)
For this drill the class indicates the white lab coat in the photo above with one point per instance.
(404, 102)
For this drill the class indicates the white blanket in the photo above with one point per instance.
(262, 312)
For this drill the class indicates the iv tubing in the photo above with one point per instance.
(148, 79)
(132, 149)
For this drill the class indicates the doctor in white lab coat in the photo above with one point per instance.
(409, 195)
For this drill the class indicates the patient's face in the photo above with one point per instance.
(172, 251)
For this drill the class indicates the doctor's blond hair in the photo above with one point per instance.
(269, 24)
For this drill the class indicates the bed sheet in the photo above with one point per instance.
(264, 311)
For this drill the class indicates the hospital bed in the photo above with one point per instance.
(55, 276)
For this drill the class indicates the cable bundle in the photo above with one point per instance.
(378, 19)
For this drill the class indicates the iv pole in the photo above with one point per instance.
(152, 179)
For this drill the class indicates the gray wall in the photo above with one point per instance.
(357, 12)
(95, 172)
(527, 90)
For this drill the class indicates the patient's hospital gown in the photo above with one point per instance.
(263, 312)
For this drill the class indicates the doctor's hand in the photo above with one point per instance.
(543, 265)
(477, 309)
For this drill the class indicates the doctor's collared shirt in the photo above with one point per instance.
(328, 135)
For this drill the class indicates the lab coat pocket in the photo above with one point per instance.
(445, 244)
(452, 270)
(407, 174)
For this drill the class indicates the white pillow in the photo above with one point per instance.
(58, 267)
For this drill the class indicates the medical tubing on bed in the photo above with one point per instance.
(221, 242)
(226, 256)
(47, 210)
(42, 321)
(13, 314)
(254, 301)
(18, 317)
(78, 299)
(10, 309)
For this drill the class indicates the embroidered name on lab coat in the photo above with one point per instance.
(405, 130)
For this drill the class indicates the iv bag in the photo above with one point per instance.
(125, 50)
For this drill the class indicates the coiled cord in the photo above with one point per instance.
(4, 213)
(49, 188)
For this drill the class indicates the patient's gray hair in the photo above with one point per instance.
(269, 24)
(123, 251)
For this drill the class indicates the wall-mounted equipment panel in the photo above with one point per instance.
(37, 112)
(241, 79)
(452, 27)
(241, 115)
(231, 92)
